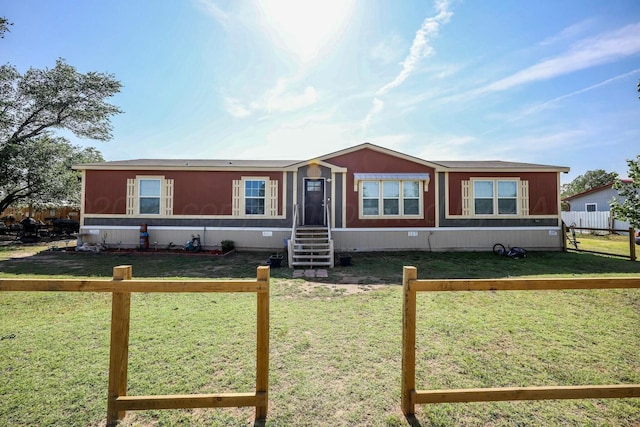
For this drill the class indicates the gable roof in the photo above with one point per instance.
(230, 164)
(595, 189)
(475, 165)
(196, 164)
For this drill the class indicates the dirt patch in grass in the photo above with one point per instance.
(318, 288)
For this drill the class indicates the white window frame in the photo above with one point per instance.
(264, 198)
(495, 197)
(401, 206)
(595, 207)
(133, 196)
(271, 200)
(141, 196)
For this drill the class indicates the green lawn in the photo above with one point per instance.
(335, 343)
(610, 243)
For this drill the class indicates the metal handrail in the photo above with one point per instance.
(328, 214)
(292, 240)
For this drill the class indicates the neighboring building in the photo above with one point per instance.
(592, 209)
(595, 200)
(364, 198)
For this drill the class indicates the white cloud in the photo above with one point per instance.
(450, 147)
(292, 140)
(420, 48)
(388, 50)
(279, 99)
(377, 106)
(570, 32)
(212, 9)
(236, 109)
(591, 52)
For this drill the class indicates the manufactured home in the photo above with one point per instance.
(363, 198)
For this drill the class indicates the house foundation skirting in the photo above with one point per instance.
(345, 240)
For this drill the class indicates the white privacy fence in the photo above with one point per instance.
(593, 220)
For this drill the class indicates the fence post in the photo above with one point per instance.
(408, 381)
(564, 237)
(262, 339)
(119, 350)
(632, 244)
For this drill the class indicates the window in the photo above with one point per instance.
(507, 198)
(254, 197)
(314, 186)
(591, 207)
(411, 197)
(370, 195)
(483, 197)
(491, 197)
(390, 198)
(149, 196)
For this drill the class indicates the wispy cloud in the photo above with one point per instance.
(547, 104)
(589, 53)
(420, 49)
(570, 32)
(213, 10)
(388, 50)
(235, 108)
(279, 99)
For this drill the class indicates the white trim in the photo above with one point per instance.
(178, 228)
(338, 230)
(83, 188)
(419, 215)
(179, 217)
(304, 196)
(445, 229)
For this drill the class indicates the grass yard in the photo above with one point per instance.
(335, 342)
(609, 243)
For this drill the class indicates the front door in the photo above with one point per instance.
(314, 202)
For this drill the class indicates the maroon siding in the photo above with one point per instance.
(371, 161)
(543, 196)
(106, 192)
(195, 192)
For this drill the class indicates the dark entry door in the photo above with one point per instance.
(313, 202)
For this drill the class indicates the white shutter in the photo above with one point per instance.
(236, 197)
(131, 196)
(168, 197)
(466, 198)
(524, 198)
(272, 200)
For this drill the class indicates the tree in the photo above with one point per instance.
(590, 180)
(35, 163)
(629, 191)
(4, 26)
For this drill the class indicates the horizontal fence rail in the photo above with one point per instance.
(571, 240)
(411, 396)
(121, 286)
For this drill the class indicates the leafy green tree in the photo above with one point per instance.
(590, 180)
(4, 26)
(629, 209)
(35, 163)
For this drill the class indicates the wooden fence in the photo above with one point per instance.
(121, 286)
(570, 240)
(412, 397)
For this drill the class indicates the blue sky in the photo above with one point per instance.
(543, 81)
